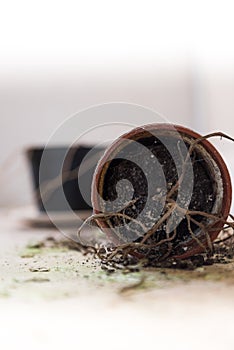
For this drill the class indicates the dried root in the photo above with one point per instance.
(135, 255)
(147, 252)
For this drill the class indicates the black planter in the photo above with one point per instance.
(57, 160)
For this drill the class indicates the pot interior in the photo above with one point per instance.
(139, 174)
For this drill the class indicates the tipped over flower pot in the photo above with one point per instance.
(162, 191)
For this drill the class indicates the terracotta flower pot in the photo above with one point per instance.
(152, 161)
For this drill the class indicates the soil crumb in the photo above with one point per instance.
(220, 260)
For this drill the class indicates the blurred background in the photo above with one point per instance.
(58, 57)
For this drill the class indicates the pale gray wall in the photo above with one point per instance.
(33, 103)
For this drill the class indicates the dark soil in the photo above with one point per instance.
(203, 195)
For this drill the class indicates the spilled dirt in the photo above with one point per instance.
(55, 268)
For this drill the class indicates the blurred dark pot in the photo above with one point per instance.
(61, 160)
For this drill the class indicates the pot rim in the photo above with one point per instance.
(227, 187)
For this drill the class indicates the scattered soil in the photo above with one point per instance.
(223, 254)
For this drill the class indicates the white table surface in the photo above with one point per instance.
(73, 311)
